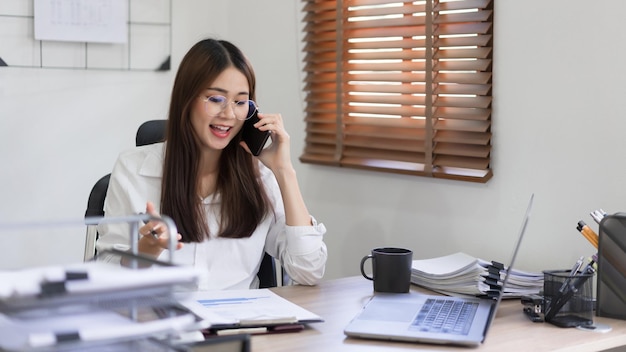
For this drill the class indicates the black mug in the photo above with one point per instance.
(391, 269)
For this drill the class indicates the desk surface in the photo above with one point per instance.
(338, 301)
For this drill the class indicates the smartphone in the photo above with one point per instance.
(254, 138)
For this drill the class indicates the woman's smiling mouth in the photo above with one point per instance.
(220, 130)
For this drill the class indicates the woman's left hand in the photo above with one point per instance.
(277, 155)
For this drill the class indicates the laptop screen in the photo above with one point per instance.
(522, 231)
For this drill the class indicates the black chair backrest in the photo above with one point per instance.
(95, 203)
(267, 272)
(152, 131)
(149, 132)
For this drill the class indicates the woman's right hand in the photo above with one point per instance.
(154, 235)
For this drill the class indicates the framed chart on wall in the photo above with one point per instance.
(144, 44)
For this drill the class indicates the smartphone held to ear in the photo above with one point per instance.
(254, 138)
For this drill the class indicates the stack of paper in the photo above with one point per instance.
(462, 274)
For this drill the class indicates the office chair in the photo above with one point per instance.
(153, 131)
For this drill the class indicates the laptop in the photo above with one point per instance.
(410, 317)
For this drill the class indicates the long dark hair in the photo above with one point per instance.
(244, 201)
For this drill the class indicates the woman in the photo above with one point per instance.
(229, 206)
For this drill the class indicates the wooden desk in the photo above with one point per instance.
(338, 301)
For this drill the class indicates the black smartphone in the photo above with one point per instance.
(254, 138)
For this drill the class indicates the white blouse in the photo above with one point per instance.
(227, 263)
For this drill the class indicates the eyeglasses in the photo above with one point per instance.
(243, 109)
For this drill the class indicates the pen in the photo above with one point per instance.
(237, 331)
(598, 215)
(573, 272)
(588, 233)
(272, 321)
(153, 232)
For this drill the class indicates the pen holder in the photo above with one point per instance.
(570, 296)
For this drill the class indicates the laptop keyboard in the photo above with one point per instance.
(445, 315)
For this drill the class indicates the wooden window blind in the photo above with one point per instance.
(399, 86)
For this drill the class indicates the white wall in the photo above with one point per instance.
(557, 127)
